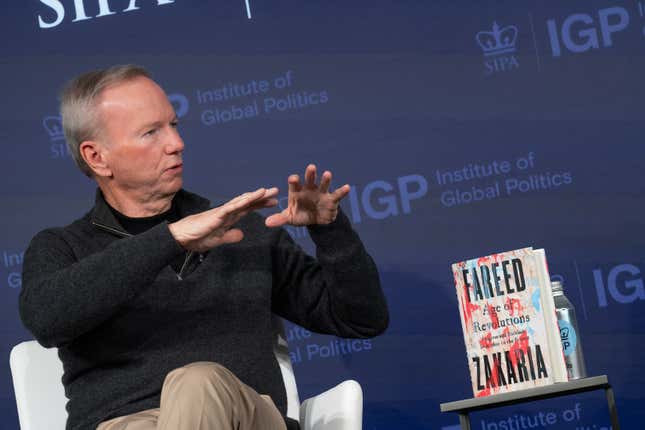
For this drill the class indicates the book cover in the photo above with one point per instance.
(509, 340)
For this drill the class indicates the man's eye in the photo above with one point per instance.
(150, 132)
(174, 124)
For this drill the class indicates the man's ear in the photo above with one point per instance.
(95, 156)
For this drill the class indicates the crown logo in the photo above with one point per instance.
(498, 41)
(54, 127)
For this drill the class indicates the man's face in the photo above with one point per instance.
(139, 133)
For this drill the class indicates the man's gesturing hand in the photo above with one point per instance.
(211, 228)
(309, 203)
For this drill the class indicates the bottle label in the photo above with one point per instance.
(568, 337)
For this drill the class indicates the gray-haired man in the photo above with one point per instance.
(161, 312)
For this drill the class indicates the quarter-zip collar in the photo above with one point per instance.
(187, 204)
(103, 218)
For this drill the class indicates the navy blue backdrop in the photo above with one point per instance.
(465, 127)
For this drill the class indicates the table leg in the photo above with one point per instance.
(464, 421)
(613, 412)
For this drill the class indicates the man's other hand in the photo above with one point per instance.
(211, 228)
(309, 203)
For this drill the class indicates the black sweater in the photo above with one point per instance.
(122, 318)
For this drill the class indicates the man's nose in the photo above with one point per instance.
(175, 143)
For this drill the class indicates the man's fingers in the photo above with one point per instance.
(247, 200)
(245, 196)
(230, 213)
(271, 192)
(340, 193)
(269, 203)
(231, 236)
(231, 208)
(276, 220)
(239, 201)
(266, 201)
(325, 182)
(294, 184)
(260, 193)
(310, 176)
(263, 204)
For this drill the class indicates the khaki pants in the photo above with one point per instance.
(204, 396)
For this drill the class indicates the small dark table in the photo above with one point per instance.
(464, 407)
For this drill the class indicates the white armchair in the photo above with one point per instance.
(40, 396)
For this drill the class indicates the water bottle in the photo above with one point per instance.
(569, 334)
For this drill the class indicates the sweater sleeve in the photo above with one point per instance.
(337, 293)
(63, 298)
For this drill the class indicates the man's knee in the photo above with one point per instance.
(201, 373)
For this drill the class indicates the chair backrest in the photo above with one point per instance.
(40, 395)
(281, 351)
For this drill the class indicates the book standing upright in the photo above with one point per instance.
(509, 323)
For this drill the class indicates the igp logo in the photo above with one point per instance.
(180, 103)
(581, 32)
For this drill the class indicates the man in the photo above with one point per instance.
(161, 306)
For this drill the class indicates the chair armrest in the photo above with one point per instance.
(340, 408)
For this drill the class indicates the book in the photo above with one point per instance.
(509, 323)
